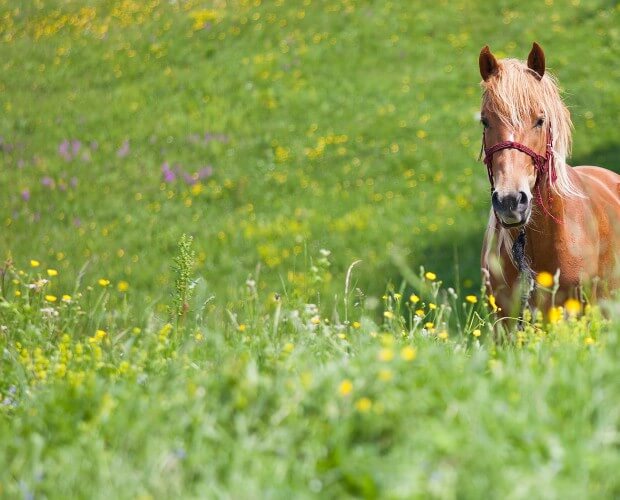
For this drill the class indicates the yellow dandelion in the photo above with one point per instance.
(555, 314)
(346, 387)
(363, 405)
(408, 353)
(573, 307)
(432, 306)
(52, 272)
(34, 263)
(472, 299)
(589, 341)
(430, 276)
(443, 335)
(315, 320)
(388, 315)
(385, 375)
(385, 354)
(545, 279)
(122, 286)
(103, 282)
(419, 312)
(241, 327)
(18, 293)
(414, 299)
(493, 303)
(429, 326)
(356, 324)
(100, 334)
(51, 298)
(66, 298)
(476, 333)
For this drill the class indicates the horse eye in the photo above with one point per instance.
(539, 122)
(485, 122)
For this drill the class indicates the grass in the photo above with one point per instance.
(287, 140)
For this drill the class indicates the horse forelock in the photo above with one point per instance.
(514, 94)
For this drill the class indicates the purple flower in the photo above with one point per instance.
(169, 175)
(63, 150)
(26, 194)
(205, 172)
(75, 147)
(47, 182)
(123, 150)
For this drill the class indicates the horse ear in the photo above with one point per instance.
(536, 60)
(488, 63)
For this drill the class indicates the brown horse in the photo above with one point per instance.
(545, 216)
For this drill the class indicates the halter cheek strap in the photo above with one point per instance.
(543, 164)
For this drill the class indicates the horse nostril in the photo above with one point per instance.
(522, 198)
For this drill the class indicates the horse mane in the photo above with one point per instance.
(514, 95)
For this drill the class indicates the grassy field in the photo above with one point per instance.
(214, 216)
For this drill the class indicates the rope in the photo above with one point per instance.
(527, 276)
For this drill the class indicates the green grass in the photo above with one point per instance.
(324, 133)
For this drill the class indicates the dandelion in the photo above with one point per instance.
(420, 313)
(363, 405)
(430, 276)
(100, 334)
(573, 307)
(408, 353)
(432, 306)
(241, 327)
(356, 325)
(472, 299)
(442, 335)
(388, 315)
(476, 333)
(315, 320)
(346, 387)
(589, 341)
(34, 263)
(52, 272)
(493, 303)
(18, 293)
(385, 355)
(429, 326)
(545, 279)
(122, 286)
(555, 314)
(385, 375)
(414, 299)
(103, 282)
(66, 298)
(51, 298)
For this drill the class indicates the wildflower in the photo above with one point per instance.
(493, 303)
(408, 353)
(34, 263)
(432, 306)
(589, 341)
(241, 327)
(414, 299)
(346, 387)
(315, 320)
(430, 276)
(51, 298)
(103, 282)
(122, 286)
(472, 299)
(363, 405)
(388, 315)
(385, 375)
(555, 314)
(100, 334)
(545, 279)
(66, 298)
(52, 272)
(385, 354)
(18, 293)
(573, 307)
(198, 336)
(476, 333)
(356, 324)
(397, 296)
(442, 335)
(420, 313)
(429, 326)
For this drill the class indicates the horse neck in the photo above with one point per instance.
(546, 227)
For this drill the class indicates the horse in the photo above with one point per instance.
(545, 215)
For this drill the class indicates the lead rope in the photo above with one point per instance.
(527, 276)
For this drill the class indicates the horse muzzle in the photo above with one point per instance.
(512, 209)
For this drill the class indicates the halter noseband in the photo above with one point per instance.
(543, 164)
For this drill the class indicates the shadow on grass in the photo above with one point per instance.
(607, 157)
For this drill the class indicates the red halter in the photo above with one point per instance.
(543, 164)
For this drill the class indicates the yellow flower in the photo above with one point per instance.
(100, 334)
(51, 298)
(545, 279)
(398, 296)
(315, 320)
(388, 314)
(346, 387)
(493, 304)
(363, 405)
(408, 353)
(122, 286)
(386, 354)
(429, 326)
(476, 333)
(432, 306)
(18, 293)
(414, 299)
(555, 314)
(241, 327)
(589, 341)
(103, 282)
(430, 276)
(442, 335)
(573, 307)
(52, 272)
(34, 263)
(419, 312)
(356, 324)
(472, 299)
(385, 375)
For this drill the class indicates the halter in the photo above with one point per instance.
(543, 164)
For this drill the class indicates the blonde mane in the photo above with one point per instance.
(515, 96)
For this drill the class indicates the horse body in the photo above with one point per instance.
(570, 215)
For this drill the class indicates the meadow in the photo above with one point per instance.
(240, 246)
